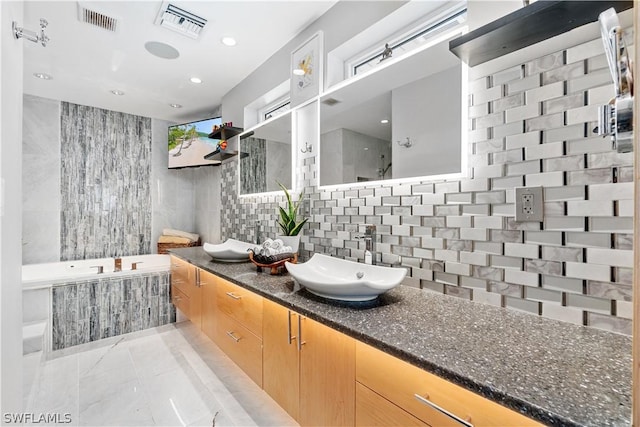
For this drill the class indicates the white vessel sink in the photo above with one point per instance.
(229, 251)
(339, 279)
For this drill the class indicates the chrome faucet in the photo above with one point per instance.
(257, 232)
(117, 266)
(369, 238)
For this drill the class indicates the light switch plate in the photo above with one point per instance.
(529, 204)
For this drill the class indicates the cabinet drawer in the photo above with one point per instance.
(182, 275)
(180, 300)
(373, 410)
(400, 382)
(241, 305)
(243, 347)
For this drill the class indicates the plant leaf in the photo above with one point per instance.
(298, 227)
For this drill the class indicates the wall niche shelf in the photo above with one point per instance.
(223, 133)
(527, 26)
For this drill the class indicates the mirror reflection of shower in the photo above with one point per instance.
(382, 170)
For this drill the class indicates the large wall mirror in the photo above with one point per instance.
(265, 156)
(404, 120)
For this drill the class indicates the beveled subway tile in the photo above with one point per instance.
(526, 83)
(564, 223)
(565, 193)
(545, 179)
(608, 290)
(593, 79)
(563, 103)
(526, 139)
(506, 262)
(580, 270)
(617, 191)
(565, 133)
(457, 268)
(458, 292)
(585, 50)
(475, 258)
(485, 297)
(612, 158)
(565, 284)
(511, 128)
(521, 277)
(545, 92)
(614, 257)
(446, 278)
(507, 103)
(489, 247)
(613, 224)
(523, 168)
(507, 75)
(523, 112)
(566, 72)
(597, 63)
(564, 163)
(533, 307)
(509, 156)
(482, 221)
(522, 250)
(541, 266)
(543, 237)
(459, 221)
(609, 323)
(564, 314)
(550, 121)
(489, 273)
(584, 114)
(589, 208)
(543, 295)
(545, 63)
(474, 283)
(562, 254)
(600, 95)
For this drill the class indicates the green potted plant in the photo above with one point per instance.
(289, 222)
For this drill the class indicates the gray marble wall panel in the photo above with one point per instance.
(91, 310)
(105, 183)
(254, 166)
(40, 180)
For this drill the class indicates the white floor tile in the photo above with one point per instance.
(167, 376)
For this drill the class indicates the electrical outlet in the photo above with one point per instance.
(529, 204)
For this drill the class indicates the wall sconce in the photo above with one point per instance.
(308, 148)
(20, 32)
(405, 144)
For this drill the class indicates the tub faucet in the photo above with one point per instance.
(117, 264)
(369, 238)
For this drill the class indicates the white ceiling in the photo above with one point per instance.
(87, 62)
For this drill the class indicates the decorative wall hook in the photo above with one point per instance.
(405, 144)
(308, 148)
(20, 32)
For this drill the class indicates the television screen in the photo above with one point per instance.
(190, 142)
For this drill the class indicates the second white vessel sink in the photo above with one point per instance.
(344, 280)
(230, 251)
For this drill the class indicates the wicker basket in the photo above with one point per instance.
(163, 248)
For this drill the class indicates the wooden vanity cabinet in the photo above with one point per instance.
(439, 402)
(208, 303)
(309, 369)
(238, 326)
(185, 289)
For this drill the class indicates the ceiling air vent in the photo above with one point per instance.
(180, 21)
(98, 19)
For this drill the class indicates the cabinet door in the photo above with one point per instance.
(195, 299)
(373, 410)
(208, 303)
(280, 356)
(327, 376)
(241, 345)
(182, 275)
(240, 304)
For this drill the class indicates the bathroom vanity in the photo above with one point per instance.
(410, 358)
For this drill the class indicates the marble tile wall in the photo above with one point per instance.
(91, 310)
(529, 125)
(105, 183)
(254, 165)
(40, 180)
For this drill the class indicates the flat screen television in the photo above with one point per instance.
(190, 142)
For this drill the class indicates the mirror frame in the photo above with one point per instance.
(464, 148)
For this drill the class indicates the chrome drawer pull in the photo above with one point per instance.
(443, 411)
(234, 296)
(232, 335)
(291, 338)
(300, 342)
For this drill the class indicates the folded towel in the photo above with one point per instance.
(267, 243)
(175, 240)
(171, 232)
(277, 244)
(286, 249)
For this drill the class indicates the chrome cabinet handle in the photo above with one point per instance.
(443, 411)
(300, 342)
(176, 265)
(234, 296)
(233, 336)
(289, 336)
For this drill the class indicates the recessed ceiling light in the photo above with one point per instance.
(228, 41)
(175, 105)
(384, 121)
(42, 76)
(117, 92)
(162, 50)
(195, 80)
(298, 71)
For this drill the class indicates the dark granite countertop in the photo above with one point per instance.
(554, 372)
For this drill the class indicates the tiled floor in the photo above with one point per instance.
(168, 376)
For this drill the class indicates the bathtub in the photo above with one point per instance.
(78, 305)
(46, 274)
